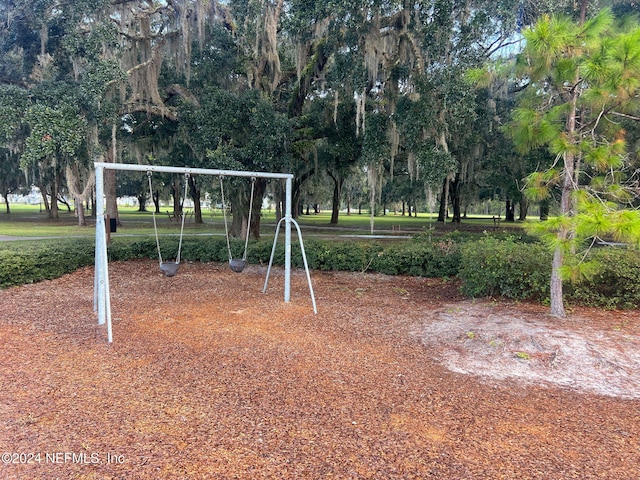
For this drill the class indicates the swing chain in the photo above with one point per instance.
(183, 215)
(240, 263)
(153, 215)
(155, 224)
(246, 242)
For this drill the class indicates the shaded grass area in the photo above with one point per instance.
(29, 221)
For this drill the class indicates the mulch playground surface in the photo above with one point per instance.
(208, 377)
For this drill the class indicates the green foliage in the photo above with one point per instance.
(237, 131)
(54, 131)
(435, 164)
(375, 146)
(581, 77)
(13, 105)
(438, 259)
(41, 261)
(491, 267)
(616, 283)
(488, 267)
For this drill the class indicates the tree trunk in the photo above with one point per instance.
(566, 208)
(176, 193)
(156, 201)
(258, 195)
(296, 207)
(45, 197)
(557, 304)
(6, 202)
(240, 209)
(335, 207)
(524, 209)
(111, 208)
(544, 210)
(82, 220)
(373, 210)
(110, 178)
(142, 202)
(337, 196)
(53, 211)
(509, 211)
(456, 200)
(279, 199)
(444, 198)
(91, 203)
(444, 201)
(238, 220)
(73, 184)
(64, 202)
(194, 192)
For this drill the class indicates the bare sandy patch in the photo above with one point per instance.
(476, 339)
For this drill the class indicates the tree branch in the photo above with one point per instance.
(147, 108)
(625, 115)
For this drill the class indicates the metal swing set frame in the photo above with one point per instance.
(102, 296)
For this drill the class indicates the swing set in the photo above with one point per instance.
(102, 296)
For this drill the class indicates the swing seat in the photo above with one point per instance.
(237, 265)
(169, 268)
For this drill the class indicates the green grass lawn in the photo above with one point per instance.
(30, 221)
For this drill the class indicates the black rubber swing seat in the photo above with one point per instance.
(237, 265)
(169, 268)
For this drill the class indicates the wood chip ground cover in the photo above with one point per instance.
(395, 377)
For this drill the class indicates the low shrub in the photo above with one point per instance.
(421, 259)
(14, 268)
(487, 267)
(339, 256)
(492, 267)
(34, 262)
(615, 285)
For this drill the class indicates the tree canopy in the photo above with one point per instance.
(373, 94)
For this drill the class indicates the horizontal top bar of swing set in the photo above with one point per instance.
(191, 171)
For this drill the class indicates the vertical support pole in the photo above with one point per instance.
(287, 240)
(102, 301)
(98, 293)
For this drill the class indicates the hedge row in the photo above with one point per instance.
(43, 260)
(489, 266)
(505, 268)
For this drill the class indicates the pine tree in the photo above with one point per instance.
(584, 79)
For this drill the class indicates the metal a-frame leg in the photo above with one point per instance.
(304, 259)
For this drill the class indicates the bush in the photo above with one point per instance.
(421, 259)
(487, 267)
(14, 268)
(491, 267)
(43, 260)
(337, 256)
(617, 283)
